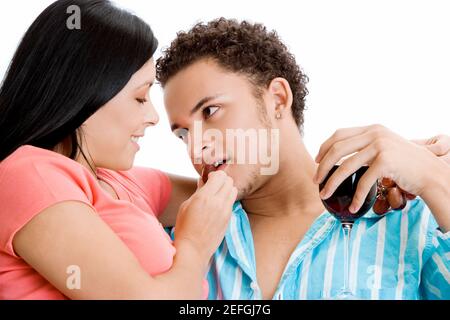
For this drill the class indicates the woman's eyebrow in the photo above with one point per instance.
(147, 83)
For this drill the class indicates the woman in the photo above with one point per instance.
(78, 220)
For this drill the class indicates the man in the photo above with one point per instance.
(226, 76)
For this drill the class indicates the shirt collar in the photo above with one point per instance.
(239, 239)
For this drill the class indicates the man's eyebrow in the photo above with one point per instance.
(202, 102)
(197, 107)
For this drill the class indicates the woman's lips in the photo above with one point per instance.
(138, 147)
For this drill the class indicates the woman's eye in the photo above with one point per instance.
(209, 111)
(141, 101)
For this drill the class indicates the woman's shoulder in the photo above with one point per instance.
(30, 158)
(33, 179)
(28, 150)
(34, 170)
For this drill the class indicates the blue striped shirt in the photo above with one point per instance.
(402, 255)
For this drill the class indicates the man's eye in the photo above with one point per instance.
(209, 111)
(182, 134)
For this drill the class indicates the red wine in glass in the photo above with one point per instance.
(338, 205)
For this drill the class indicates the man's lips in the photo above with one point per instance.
(208, 168)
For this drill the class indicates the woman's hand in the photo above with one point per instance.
(203, 218)
(410, 165)
(439, 145)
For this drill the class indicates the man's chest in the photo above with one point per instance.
(274, 244)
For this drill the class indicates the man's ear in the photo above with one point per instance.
(280, 94)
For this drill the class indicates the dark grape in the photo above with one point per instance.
(381, 206)
(205, 172)
(396, 198)
(388, 183)
(409, 196)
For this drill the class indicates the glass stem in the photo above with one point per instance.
(347, 228)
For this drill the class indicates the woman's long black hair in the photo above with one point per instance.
(60, 76)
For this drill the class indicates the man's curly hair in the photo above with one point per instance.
(239, 47)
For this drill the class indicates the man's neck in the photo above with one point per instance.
(291, 192)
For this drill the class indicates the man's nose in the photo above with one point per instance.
(197, 152)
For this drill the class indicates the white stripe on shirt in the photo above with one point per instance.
(236, 293)
(401, 257)
(305, 246)
(355, 255)
(434, 290)
(219, 264)
(379, 259)
(328, 276)
(441, 266)
(237, 241)
(425, 217)
(304, 277)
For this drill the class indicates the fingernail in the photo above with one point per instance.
(323, 194)
(353, 209)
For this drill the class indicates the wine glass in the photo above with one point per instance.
(338, 205)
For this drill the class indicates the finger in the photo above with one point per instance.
(201, 180)
(364, 185)
(200, 183)
(446, 158)
(232, 197)
(215, 181)
(339, 135)
(346, 169)
(204, 174)
(421, 142)
(226, 187)
(440, 148)
(338, 151)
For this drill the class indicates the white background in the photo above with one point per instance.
(368, 62)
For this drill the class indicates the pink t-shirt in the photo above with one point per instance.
(32, 179)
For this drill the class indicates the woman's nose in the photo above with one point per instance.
(151, 115)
